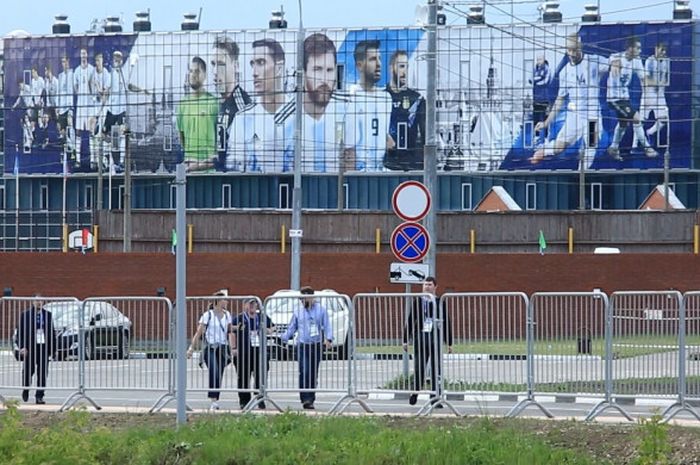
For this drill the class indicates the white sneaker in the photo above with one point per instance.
(214, 406)
(650, 152)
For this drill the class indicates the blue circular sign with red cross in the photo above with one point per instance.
(410, 242)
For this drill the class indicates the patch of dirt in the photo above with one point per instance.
(614, 442)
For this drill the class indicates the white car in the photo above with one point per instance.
(280, 308)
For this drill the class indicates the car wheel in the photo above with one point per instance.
(123, 349)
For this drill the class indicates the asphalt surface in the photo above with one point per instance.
(138, 384)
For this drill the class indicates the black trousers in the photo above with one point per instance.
(424, 352)
(247, 366)
(309, 360)
(36, 360)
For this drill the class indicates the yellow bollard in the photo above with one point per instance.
(65, 238)
(571, 241)
(696, 239)
(95, 236)
(283, 239)
(190, 234)
(377, 240)
(472, 241)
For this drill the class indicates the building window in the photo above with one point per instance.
(346, 191)
(2, 198)
(173, 196)
(168, 138)
(528, 128)
(531, 196)
(464, 75)
(87, 201)
(283, 202)
(226, 196)
(596, 196)
(120, 199)
(168, 87)
(466, 196)
(592, 133)
(44, 196)
(402, 136)
(340, 68)
(661, 136)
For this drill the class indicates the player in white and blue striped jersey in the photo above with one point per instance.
(328, 138)
(371, 108)
(657, 72)
(256, 141)
(623, 66)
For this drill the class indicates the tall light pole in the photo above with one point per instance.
(430, 150)
(295, 232)
(180, 294)
(127, 191)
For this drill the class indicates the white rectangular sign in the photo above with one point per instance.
(296, 232)
(409, 273)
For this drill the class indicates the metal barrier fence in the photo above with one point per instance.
(395, 346)
(690, 390)
(310, 346)
(490, 352)
(649, 343)
(123, 343)
(567, 351)
(635, 346)
(27, 344)
(228, 350)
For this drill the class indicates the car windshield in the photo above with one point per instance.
(64, 313)
(282, 305)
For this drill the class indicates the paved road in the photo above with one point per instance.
(138, 383)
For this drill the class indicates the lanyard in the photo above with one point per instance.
(253, 324)
(426, 308)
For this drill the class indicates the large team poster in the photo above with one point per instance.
(514, 97)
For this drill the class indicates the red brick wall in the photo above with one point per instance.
(56, 274)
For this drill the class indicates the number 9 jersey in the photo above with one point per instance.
(370, 113)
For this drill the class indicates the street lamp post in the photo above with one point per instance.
(430, 150)
(296, 231)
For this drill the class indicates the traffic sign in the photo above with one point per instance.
(411, 201)
(410, 242)
(409, 273)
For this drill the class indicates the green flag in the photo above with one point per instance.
(543, 243)
(174, 242)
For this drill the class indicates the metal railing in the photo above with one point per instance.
(478, 348)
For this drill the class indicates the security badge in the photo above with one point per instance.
(313, 329)
(254, 339)
(254, 335)
(406, 103)
(427, 321)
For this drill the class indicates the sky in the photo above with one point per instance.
(166, 15)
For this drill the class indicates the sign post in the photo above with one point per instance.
(410, 241)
